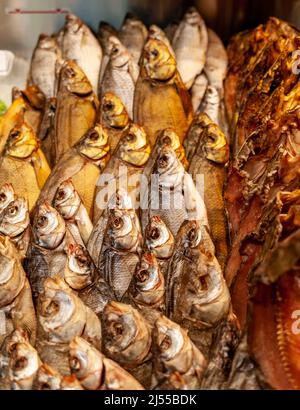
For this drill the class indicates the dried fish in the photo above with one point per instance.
(124, 169)
(115, 243)
(23, 164)
(120, 74)
(209, 160)
(105, 31)
(68, 203)
(174, 351)
(82, 276)
(45, 58)
(190, 45)
(198, 90)
(157, 33)
(95, 371)
(114, 117)
(133, 35)
(76, 107)
(16, 306)
(197, 296)
(200, 122)
(79, 43)
(83, 164)
(160, 89)
(62, 316)
(127, 340)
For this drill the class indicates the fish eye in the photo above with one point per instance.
(14, 134)
(3, 197)
(42, 221)
(163, 160)
(53, 307)
(154, 233)
(74, 364)
(94, 136)
(13, 210)
(45, 386)
(115, 50)
(142, 275)
(70, 72)
(154, 52)
(166, 343)
(81, 260)
(61, 194)
(108, 106)
(191, 234)
(166, 140)
(20, 363)
(117, 328)
(130, 137)
(210, 138)
(117, 222)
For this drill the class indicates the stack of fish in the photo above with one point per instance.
(115, 265)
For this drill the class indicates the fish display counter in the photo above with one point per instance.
(149, 195)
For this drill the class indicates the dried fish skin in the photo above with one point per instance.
(173, 351)
(190, 45)
(200, 122)
(198, 90)
(96, 372)
(159, 88)
(105, 31)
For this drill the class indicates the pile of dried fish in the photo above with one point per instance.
(147, 242)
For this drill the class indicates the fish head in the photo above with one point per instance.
(147, 280)
(7, 195)
(72, 23)
(79, 268)
(119, 55)
(48, 378)
(168, 137)
(86, 363)
(189, 234)
(61, 313)
(12, 275)
(46, 42)
(125, 333)
(120, 324)
(192, 16)
(168, 167)
(123, 229)
(21, 142)
(24, 363)
(134, 147)
(15, 218)
(49, 227)
(157, 61)
(169, 338)
(156, 32)
(214, 144)
(73, 79)
(66, 200)
(94, 144)
(114, 113)
(159, 238)
(105, 30)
